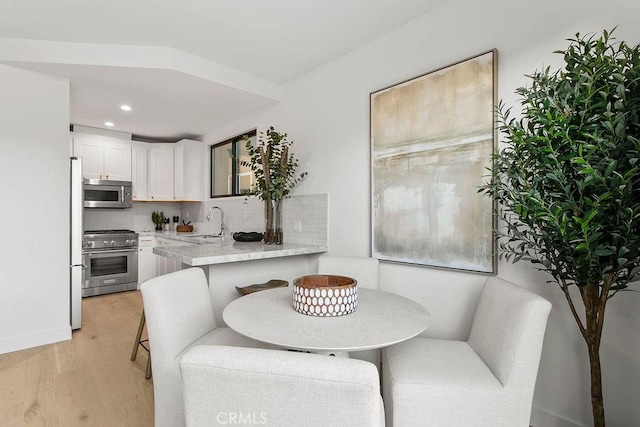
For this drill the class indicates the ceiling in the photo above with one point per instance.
(186, 67)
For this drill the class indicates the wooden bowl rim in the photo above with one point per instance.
(326, 281)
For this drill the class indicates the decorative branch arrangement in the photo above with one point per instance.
(274, 168)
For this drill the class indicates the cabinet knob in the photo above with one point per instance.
(100, 176)
(107, 176)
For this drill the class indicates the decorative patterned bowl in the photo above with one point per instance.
(325, 295)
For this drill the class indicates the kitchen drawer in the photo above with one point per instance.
(146, 241)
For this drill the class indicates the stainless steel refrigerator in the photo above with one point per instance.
(77, 231)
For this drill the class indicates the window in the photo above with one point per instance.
(228, 176)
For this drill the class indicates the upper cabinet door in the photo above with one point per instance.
(117, 160)
(188, 170)
(92, 153)
(103, 157)
(160, 182)
(178, 172)
(139, 172)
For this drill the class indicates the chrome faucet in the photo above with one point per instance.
(222, 226)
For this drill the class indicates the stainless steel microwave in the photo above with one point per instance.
(103, 193)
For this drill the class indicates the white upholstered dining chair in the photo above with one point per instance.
(249, 386)
(365, 271)
(179, 314)
(487, 380)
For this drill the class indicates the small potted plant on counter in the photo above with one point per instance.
(158, 219)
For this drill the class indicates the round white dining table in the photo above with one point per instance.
(380, 320)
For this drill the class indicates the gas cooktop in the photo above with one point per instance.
(109, 239)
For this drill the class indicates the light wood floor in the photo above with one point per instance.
(87, 381)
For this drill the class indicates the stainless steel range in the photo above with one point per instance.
(111, 260)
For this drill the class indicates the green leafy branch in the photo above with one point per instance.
(273, 165)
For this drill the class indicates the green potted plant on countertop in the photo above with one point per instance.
(568, 183)
(275, 171)
(158, 219)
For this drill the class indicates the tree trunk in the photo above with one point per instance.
(597, 404)
(595, 300)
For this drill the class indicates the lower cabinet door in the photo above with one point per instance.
(146, 264)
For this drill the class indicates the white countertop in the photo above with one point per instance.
(232, 251)
(174, 235)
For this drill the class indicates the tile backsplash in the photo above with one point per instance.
(305, 217)
(240, 214)
(137, 218)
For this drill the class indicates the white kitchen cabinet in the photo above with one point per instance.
(104, 157)
(168, 265)
(167, 172)
(188, 157)
(161, 172)
(146, 258)
(117, 160)
(92, 153)
(139, 170)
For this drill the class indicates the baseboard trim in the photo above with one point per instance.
(543, 418)
(21, 342)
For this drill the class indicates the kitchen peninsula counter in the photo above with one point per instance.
(231, 251)
(229, 264)
(188, 237)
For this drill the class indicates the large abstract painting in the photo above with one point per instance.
(432, 139)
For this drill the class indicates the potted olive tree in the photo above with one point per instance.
(568, 183)
(275, 171)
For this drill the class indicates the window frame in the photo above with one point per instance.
(235, 182)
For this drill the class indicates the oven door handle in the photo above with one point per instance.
(84, 267)
(111, 251)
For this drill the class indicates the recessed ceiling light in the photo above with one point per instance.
(108, 124)
(125, 108)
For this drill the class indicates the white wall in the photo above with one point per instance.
(34, 171)
(326, 113)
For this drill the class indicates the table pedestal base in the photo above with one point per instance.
(344, 354)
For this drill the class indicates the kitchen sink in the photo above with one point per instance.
(206, 238)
